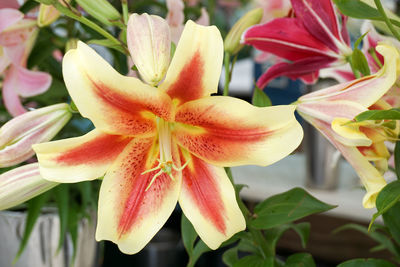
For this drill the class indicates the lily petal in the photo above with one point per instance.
(305, 69)
(22, 184)
(10, 97)
(129, 215)
(371, 178)
(320, 20)
(114, 103)
(286, 38)
(349, 134)
(216, 129)
(149, 43)
(30, 83)
(8, 17)
(197, 75)
(208, 200)
(366, 90)
(87, 157)
(9, 4)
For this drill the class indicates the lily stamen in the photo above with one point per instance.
(165, 167)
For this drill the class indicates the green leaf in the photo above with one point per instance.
(73, 229)
(230, 257)
(357, 9)
(287, 207)
(85, 189)
(198, 250)
(375, 235)
(387, 197)
(397, 159)
(34, 207)
(392, 221)
(254, 261)
(358, 41)
(62, 198)
(28, 5)
(389, 114)
(302, 229)
(189, 235)
(359, 62)
(366, 263)
(300, 260)
(260, 99)
(107, 43)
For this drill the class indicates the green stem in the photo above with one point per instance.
(227, 73)
(386, 19)
(75, 14)
(125, 11)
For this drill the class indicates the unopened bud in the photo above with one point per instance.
(19, 134)
(149, 43)
(21, 184)
(232, 41)
(101, 10)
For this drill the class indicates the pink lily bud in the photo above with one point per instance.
(19, 134)
(149, 43)
(22, 184)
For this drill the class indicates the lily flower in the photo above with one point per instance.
(17, 36)
(156, 146)
(312, 40)
(332, 110)
(19, 134)
(21, 184)
(176, 18)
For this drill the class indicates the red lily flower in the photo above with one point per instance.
(311, 40)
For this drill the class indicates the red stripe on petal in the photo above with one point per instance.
(198, 180)
(189, 84)
(100, 149)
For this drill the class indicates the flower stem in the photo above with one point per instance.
(125, 11)
(71, 12)
(386, 19)
(227, 73)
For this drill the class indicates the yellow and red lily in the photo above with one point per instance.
(331, 111)
(155, 146)
(310, 41)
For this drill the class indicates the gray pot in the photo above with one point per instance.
(41, 249)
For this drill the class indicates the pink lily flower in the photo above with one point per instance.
(17, 37)
(312, 40)
(156, 146)
(21, 184)
(274, 9)
(19, 134)
(176, 18)
(331, 111)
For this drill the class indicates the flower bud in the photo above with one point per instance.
(19, 134)
(232, 41)
(21, 184)
(47, 2)
(47, 15)
(101, 10)
(149, 43)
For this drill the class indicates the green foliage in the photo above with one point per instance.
(389, 114)
(386, 199)
(397, 159)
(260, 99)
(62, 199)
(383, 241)
(357, 9)
(359, 62)
(300, 260)
(287, 207)
(366, 263)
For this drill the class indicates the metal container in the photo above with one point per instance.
(41, 249)
(322, 158)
